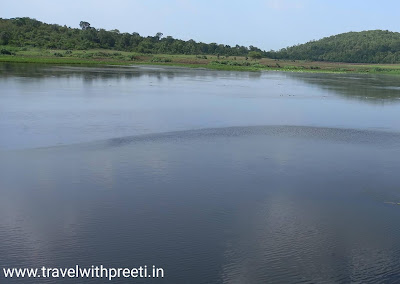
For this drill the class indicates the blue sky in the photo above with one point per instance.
(268, 24)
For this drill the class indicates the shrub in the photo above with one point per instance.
(255, 55)
(257, 65)
(378, 69)
(85, 55)
(237, 63)
(101, 54)
(160, 59)
(5, 51)
(201, 56)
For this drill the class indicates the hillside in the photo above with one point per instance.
(29, 37)
(374, 46)
(27, 32)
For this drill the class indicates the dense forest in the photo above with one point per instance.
(23, 32)
(375, 46)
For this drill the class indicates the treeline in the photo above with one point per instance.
(24, 32)
(374, 46)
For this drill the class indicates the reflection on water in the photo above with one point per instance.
(363, 87)
(111, 72)
(374, 89)
(231, 205)
(43, 105)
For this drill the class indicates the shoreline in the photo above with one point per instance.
(121, 58)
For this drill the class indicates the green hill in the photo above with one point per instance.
(27, 32)
(374, 46)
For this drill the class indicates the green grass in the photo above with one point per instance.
(45, 60)
(112, 57)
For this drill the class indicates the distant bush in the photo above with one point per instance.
(378, 69)
(101, 54)
(133, 57)
(255, 55)
(290, 67)
(57, 54)
(236, 63)
(5, 52)
(257, 65)
(160, 59)
(85, 55)
(217, 62)
(68, 52)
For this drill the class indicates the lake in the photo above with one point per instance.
(214, 176)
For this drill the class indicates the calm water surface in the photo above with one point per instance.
(217, 177)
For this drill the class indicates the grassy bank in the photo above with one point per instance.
(111, 57)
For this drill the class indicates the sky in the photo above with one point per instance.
(267, 24)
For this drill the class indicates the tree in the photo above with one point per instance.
(255, 55)
(5, 37)
(158, 36)
(107, 39)
(84, 25)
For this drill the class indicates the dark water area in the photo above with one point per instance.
(217, 177)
